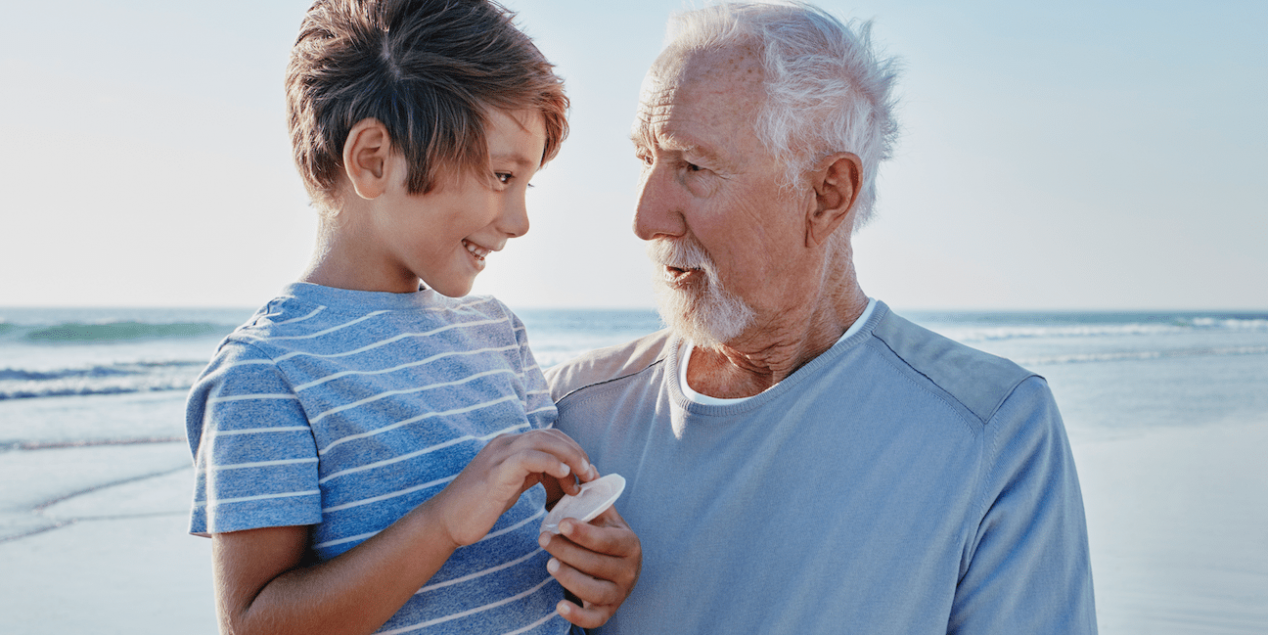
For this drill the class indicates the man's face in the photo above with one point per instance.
(724, 237)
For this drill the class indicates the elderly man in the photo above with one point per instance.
(799, 458)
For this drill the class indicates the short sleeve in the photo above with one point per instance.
(255, 459)
(538, 405)
(1027, 569)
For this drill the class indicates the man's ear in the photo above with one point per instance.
(836, 182)
(366, 158)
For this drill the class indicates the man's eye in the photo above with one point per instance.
(691, 167)
(503, 177)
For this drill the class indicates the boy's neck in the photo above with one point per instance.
(342, 252)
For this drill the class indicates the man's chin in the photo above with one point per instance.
(706, 318)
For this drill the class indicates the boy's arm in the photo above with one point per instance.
(263, 585)
(597, 562)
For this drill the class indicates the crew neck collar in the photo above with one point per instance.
(363, 300)
(684, 358)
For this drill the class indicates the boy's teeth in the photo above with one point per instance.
(475, 251)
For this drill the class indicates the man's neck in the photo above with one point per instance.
(774, 347)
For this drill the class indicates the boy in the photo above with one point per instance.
(367, 451)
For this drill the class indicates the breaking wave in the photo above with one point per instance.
(108, 379)
(83, 333)
(1083, 358)
(967, 332)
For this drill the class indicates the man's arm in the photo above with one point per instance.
(1027, 567)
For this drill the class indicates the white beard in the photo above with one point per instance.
(708, 317)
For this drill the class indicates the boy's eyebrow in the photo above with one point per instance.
(517, 158)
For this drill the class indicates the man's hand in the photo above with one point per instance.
(597, 562)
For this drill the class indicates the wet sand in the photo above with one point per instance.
(92, 539)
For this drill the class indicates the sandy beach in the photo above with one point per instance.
(1178, 525)
(110, 556)
(92, 539)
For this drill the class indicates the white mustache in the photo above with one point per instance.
(683, 253)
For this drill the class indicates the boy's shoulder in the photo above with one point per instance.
(307, 326)
(307, 318)
(308, 310)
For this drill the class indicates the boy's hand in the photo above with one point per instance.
(503, 470)
(598, 562)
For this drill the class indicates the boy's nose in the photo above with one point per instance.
(514, 220)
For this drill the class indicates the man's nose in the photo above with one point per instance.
(659, 211)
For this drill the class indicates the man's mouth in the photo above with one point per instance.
(681, 275)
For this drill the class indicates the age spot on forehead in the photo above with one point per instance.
(735, 61)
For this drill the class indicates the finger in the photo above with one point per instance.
(589, 589)
(569, 486)
(563, 447)
(526, 462)
(556, 488)
(585, 617)
(554, 491)
(595, 565)
(622, 572)
(607, 534)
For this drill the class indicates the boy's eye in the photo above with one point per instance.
(503, 177)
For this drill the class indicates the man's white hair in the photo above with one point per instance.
(827, 91)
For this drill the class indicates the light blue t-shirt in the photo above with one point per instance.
(344, 410)
(899, 483)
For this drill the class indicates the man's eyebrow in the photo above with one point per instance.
(673, 143)
(640, 137)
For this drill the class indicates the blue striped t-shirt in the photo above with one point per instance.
(344, 410)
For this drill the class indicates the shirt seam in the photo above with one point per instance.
(941, 394)
(584, 399)
(983, 502)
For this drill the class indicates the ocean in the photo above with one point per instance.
(84, 376)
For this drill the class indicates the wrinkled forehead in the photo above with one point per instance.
(715, 83)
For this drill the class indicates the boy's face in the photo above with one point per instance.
(443, 237)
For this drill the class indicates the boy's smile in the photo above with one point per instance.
(443, 237)
(478, 252)
(386, 239)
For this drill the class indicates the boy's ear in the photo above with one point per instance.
(366, 158)
(836, 181)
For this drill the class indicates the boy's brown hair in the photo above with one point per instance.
(427, 70)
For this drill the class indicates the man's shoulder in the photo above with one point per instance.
(608, 364)
(978, 380)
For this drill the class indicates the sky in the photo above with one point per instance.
(1079, 155)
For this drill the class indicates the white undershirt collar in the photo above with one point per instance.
(684, 357)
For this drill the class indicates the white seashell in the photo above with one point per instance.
(592, 500)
